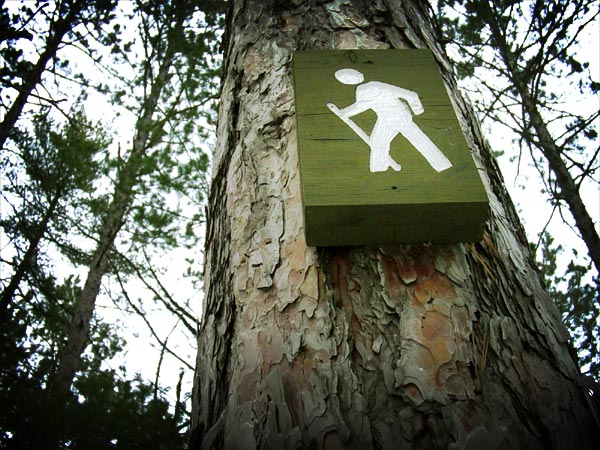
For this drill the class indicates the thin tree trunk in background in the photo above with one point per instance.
(8, 293)
(569, 191)
(70, 354)
(57, 31)
(390, 347)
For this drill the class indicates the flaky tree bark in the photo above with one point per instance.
(397, 346)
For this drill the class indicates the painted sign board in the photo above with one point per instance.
(382, 156)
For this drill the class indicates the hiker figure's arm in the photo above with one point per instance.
(354, 109)
(412, 98)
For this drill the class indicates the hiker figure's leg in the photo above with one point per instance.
(381, 138)
(425, 146)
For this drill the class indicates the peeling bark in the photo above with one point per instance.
(399, 346)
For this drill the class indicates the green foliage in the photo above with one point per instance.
(578, 299)
(174, 164)
(61, 174)
(49, 173)
(14, 63)
(31, 40)
(525, 61)
(515, 48)
(109, 411)
(118, 414)
(61, 160)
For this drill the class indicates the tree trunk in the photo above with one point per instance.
(396, 346)
(69, 356)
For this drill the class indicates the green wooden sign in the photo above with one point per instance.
(382, 156)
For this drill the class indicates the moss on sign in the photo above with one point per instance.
(382, 155)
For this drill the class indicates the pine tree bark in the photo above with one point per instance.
(396, 346)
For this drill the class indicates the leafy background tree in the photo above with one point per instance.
(576, 298)
(48, 26)
(525, 66)
(37, 316)
(151, 66)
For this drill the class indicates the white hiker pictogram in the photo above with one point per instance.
(393, 117)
